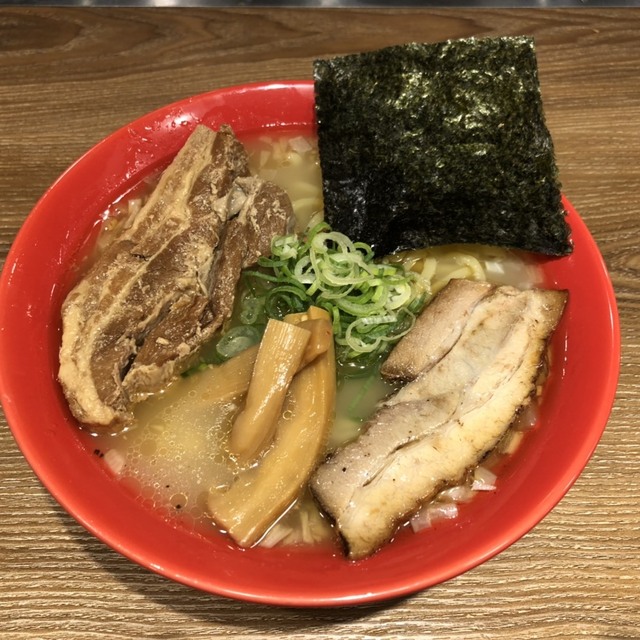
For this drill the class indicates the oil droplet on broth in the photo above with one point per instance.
(178, 501)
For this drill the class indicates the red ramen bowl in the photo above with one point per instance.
(40, 270)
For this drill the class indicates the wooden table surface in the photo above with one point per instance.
(68, 77)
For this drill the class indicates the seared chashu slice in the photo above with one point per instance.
(435, 331)
(436, 427)
(159, 272)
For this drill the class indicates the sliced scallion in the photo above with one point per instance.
(371, 304)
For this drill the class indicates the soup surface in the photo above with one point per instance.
(178, 450)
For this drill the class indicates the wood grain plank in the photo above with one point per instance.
(68, 77)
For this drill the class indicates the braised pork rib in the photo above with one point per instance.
(167, 281)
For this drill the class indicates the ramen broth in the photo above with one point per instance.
(178, 450)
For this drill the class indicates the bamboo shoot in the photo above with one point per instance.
(227, 381)
(263, 492)
(279, 357)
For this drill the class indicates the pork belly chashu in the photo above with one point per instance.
(469, 388)
(167, 281)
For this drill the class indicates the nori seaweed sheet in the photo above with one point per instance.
(431, 144)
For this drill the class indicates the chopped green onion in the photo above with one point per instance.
(371, 304)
